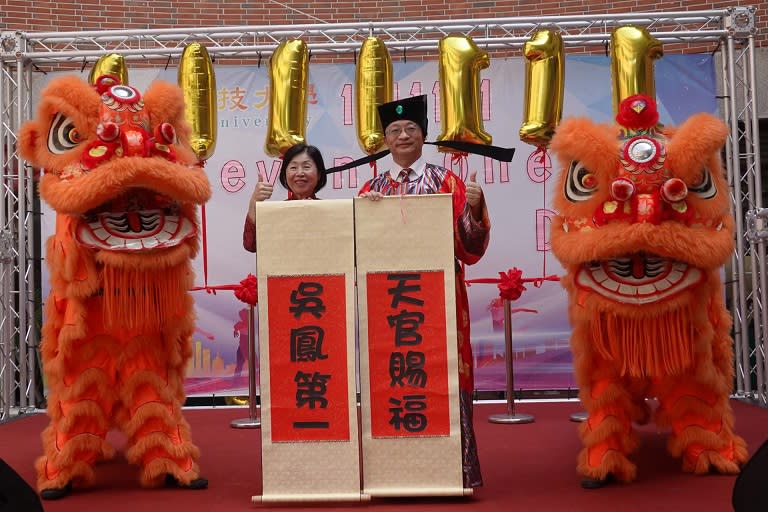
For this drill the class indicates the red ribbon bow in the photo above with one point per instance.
(511, 283)
(248, 291)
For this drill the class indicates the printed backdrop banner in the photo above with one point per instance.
(519, 198)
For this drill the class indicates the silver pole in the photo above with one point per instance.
(253, 420)
(741, 324)
(510, 416)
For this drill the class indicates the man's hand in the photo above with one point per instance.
(372, 195)
(475, 196)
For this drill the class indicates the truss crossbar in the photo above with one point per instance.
(251, 41)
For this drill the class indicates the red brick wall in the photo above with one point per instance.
(69, 15)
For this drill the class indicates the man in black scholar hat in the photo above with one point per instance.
(405, 129)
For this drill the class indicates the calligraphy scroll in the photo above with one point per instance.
(305, 268)
(411, 439)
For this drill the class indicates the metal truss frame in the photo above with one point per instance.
(732, 30)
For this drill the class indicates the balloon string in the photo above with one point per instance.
(544, 163)
(205, 246)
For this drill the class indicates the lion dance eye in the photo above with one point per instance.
(705, 187)
(580, 184)
(63, 135)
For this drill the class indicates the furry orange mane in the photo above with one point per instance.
(642, 231)
(119, 318)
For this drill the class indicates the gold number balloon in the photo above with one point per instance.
(198, 83)
(460, 115)
(544, 84)
(373, 83)
(110, 64)
(288, 72)
(633, 51)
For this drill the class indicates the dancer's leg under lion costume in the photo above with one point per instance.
(119, 318)
(643, 230)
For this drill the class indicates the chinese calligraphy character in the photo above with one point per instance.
(399, 291)
(307, 300)
(307, 343)
(311, 389)
(221, 98)
(412, 420)
(263, 96)
(406, 324)
(408, 366)
(237, 97)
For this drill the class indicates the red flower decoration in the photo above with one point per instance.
(248, 290)
(511, 286)
(637, 112)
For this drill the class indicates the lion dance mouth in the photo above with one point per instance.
(638, 279)
(153, 222)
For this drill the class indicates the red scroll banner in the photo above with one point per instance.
(408, 359)
(308, 358)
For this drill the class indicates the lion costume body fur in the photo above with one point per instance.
(119, 318)
(643, 229)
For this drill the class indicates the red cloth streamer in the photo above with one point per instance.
(246, 291)
(374, 168)
(511, 283)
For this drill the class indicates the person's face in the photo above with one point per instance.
(405, 140)
(301, 176)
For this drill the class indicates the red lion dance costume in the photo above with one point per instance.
(643, 230)
(119, 318)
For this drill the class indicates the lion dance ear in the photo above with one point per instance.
(165, 102)
(74, 105)
(28, 139)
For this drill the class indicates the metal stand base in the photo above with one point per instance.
(246, 423)
(510, 418)
(578, 417)
(253, 420)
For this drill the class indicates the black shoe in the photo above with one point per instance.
(196, 484)
(56, 493)
(596, 483)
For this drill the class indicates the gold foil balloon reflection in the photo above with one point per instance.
(633, 51)
(373, 86)
(288, 80)
(544, 84)
(460, 113)
(198, 83)
(110, 64)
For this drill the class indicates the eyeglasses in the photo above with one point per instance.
(395, 131)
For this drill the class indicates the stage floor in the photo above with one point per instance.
(527, 467)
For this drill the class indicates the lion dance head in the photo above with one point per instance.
(125, 185)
